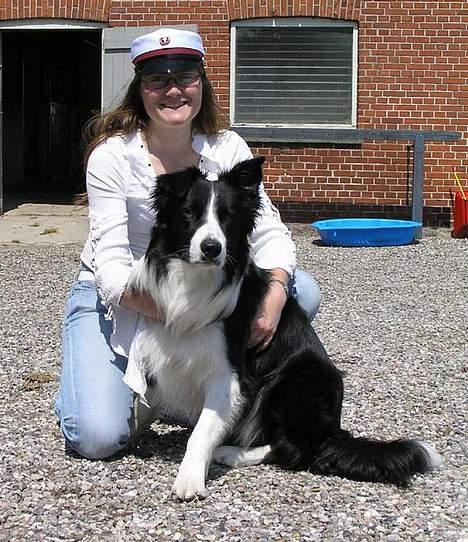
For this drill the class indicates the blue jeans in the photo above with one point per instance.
(94, 406)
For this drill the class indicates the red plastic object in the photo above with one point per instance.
(460, 216)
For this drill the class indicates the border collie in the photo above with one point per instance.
(281, 405)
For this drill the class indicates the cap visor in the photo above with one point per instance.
(166, 65)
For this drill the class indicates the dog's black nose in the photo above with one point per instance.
(211, 248)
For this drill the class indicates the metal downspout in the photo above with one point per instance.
(418, 182)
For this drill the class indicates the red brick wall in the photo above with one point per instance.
(92, 10)
(412, 75)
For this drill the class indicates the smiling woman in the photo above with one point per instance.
(170, 81)
(167, 121)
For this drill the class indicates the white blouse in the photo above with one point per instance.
(120, 178)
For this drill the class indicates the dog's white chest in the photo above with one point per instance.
(182, 366)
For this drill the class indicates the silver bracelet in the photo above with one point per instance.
(285, 286)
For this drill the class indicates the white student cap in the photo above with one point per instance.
(167, 50)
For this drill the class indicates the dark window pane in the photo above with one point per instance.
(293, 75)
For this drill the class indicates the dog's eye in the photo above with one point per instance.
(188, 213)
(222, 211)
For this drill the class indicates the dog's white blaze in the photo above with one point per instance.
(210, 229)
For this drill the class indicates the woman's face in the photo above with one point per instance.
(172, 100)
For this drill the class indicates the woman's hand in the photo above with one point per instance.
(142, 303)
(269, 313)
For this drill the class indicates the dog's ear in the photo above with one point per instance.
(178, 183)
(246, 174)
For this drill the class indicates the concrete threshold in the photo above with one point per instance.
(44, 224)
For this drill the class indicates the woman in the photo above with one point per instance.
(167, 121)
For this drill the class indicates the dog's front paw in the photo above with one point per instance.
(189, 483)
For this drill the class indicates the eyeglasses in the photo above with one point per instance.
(158, 82)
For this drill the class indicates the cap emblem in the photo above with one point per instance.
(164, 40)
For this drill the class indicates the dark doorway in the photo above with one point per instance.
(51, 87)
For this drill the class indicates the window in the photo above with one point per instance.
(293, 72)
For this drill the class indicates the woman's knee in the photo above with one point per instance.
(307, 293)
(93, 405)
(95, 439)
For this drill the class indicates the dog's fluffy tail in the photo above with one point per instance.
(370, 460)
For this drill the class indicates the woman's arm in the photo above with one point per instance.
(142, 303)
(106, 180)
(269, 312)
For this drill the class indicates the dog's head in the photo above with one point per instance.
(205, 222)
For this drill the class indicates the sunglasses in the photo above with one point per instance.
(158, 82)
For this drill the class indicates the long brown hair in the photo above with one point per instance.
(130, 115)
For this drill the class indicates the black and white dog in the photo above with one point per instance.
(281, 405)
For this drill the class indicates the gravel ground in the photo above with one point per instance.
(394, 319)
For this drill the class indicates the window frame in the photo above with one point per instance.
(296, 22)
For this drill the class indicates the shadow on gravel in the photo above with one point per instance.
(168, 447)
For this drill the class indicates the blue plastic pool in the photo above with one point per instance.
(366, 232)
